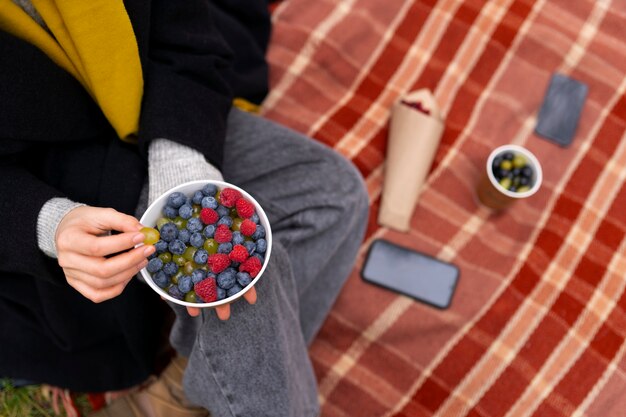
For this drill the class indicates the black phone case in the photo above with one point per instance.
(410, 295)
(561, 108)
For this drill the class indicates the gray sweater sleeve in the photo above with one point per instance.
(48, 220)
(169, 164)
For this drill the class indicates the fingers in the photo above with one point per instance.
(250, 296)
(223, 312)
(110, 219)
(97, 295)
(193, 311)
(102, 283)
(102, 268)
(106, 245)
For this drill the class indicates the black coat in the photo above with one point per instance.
(55, 142)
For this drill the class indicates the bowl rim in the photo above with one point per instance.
(262, 219)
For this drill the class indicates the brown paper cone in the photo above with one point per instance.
(413, 140)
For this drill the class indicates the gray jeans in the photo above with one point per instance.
(257, 363)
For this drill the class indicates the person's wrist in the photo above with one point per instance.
(48, 220)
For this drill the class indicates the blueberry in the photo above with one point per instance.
(194, 225)
(175, 292)
(255, 218)
(201, 256)
(524, 181)
(160, 246)
(250, 247)
(238, 238)
(154, 265)
(243, 278)
(222, 211)
(497, 161)
(196, 240)
(527, 171)
(170, 268)
(185, 211)
(198, 275)
(233, 290)
(154, 255)
(209, 202)
(169, 232)
(197, 197)
(176, 199)
(209, 231)
(177, 247)
(209, 189)
(259, 233)
(226, 279)
(261, 245)
(170, 212)
(508, 156)
(185, 284)
(227, 220)
(184, 235)
(161, 279)
(235, 264)
(225, 248)
(261, 258)
(221, 293)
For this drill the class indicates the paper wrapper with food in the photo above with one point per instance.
(414, 134)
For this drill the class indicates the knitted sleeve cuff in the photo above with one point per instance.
(48, 221)
(171, 164)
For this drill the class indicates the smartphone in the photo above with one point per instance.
(411, 273)
(560, 110)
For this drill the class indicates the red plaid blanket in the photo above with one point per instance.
(538, 322)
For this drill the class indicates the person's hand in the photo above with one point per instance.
(223, 311)
(83, 245)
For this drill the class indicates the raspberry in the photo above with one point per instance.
(207, 290)
(248, 227)
(229, 196)
(223, 234)
(238, 254)
(208, 216)
(218, 262)
(251, 265)
(245, 209)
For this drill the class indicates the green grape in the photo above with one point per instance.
(161, 221)
(523, 189)
(180, 222)
(151, 236)
(189, 252)
(197, 208)
(191, 297)
(176, 276)
(205, 268)
(506, 165)
(210, 245)
(165, 257)
(236, 223)
(179, 260)
(505, 183)
(233, 212)
(519, 161)
(189, 267)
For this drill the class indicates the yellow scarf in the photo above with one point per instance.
(94, 41)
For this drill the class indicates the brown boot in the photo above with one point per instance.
(162, 398)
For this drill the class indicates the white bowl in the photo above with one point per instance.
(154, 212)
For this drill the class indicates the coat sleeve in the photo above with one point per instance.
(186, 94)
(22, 195)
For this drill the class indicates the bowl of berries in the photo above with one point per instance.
(512, 173)
(213, 241)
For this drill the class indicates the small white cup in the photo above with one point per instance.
(492, 194)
